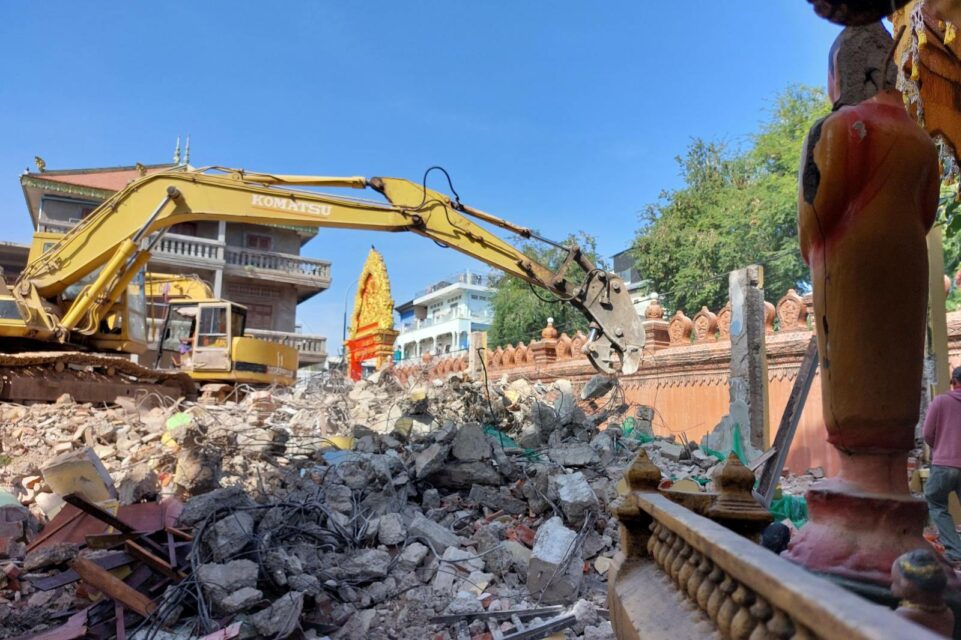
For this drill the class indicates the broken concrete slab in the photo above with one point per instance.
(200, 507)
(471, 444)
(241, 600)
(229, 536)
(412, 555)
(391, 529)
(220, 581)
(431, 459)
(578, 454)
(497, 499)
(80, 472)
(575, 496)
(50, 555)
(671, 451)
(199, 469)
(544, 417)
(455, 564)
(555, 571)
(368, 565)
(280, 619)
(702, 459)
(564, 406)
(357, 626)
(599, 385)
(463, 475)
(439, 537)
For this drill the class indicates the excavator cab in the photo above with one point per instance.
(206, 341)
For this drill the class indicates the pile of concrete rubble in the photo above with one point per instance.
(447, 509)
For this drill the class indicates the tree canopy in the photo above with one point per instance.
(520, 312)
(737, 207)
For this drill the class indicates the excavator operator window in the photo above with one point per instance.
(212, 331)
(238, 321)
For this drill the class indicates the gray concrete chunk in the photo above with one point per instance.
(439, 537)
(471, 444)
(555, 571)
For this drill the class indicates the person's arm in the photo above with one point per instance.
(931, 422)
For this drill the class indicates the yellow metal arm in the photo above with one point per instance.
(120, 233)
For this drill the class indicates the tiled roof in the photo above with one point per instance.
(107, 179)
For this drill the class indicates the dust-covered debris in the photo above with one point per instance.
(338, 509)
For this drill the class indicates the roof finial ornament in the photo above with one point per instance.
(177, 152)
(187, 150)
(141, 170)
(41, 165)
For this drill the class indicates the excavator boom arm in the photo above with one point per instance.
(119, 234)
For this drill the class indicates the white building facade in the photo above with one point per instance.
(439, 319)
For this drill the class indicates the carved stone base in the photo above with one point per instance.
(857, 535)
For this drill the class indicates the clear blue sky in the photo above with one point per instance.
(557, 115)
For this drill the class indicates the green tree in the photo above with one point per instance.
(520, 311)
(949, 215)
(736, 208)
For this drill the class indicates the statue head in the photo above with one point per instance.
(917, 576)
(859, 64)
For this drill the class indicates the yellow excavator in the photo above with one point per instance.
(187, 303)
(84, 295)
(189, 309)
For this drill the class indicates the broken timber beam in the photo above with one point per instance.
(113, 587)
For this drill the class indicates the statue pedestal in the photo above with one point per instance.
(378, 343)
(861, 520)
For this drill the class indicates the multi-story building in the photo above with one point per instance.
(257, 266)
(624, 267)
(440, 318)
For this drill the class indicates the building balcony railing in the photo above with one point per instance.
(55, 226)
(413, 325)
(464, 277)
(296, 267)
(190, 249)
(193, 251)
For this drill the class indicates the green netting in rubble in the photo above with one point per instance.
(507, 442)
(736, 447)
(793, 508)
(628, 428)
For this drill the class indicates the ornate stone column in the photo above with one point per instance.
(545, 349)
(869, 189)
(656, 335)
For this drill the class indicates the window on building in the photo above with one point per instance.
(184, 228)
(258, 241)
(625, 275)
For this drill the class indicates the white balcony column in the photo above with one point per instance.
(219, 272)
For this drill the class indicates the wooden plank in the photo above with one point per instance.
(154, 562)
(116, 589)
(118, 613)
(107, 561)
(97, 512)
(789, 422)
(106, 517)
